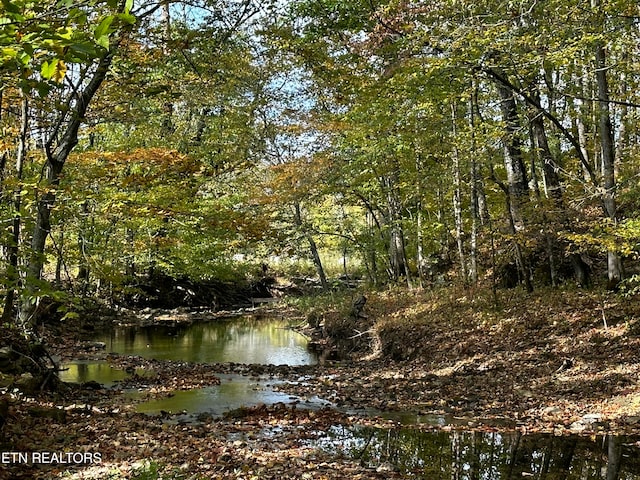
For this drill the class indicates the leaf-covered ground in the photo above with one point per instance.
(551, 361)
(543, 360)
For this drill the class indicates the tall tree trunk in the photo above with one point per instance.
(552, 188)
(516, 171)
(375, 231)
(55, 161)
(614, 262)
(12, 273)
(517, 188)
(420, 260)
(457, 198)
(397, 251)
(481, 206)
(475, 217)
(622, 142)
(582, 138)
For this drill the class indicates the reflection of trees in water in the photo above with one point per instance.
(238, 340)
(81, 372)
(476, 455)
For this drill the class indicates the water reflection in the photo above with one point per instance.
(477, 455)
(234, 391)
(240, 340)
(85, 371)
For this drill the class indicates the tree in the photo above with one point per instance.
(529, 58)
(48, 39)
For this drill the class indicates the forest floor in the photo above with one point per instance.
(552, 361)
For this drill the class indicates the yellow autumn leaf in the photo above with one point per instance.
(59, 71)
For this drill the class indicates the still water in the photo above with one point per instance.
(233, 392)
(239, 340)
(486, 455)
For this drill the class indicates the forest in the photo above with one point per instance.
(450, 186)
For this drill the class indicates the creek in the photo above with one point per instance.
(418, 453)
(240, 340)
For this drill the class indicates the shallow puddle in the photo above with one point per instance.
(234, 391)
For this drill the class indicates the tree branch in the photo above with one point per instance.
(501, 79)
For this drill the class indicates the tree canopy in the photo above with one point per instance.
(415, 143)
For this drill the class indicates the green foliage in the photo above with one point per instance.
(152, 470)
(352, 125)
(46, 36)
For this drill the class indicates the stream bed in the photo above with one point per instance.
(415, 452)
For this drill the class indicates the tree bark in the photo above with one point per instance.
(457, 199)
(397, 250)
(516, 171)
(614, 456)
(614, 262)
(55, 161)
(12, 273)
(475, 216)
(553, 191)
(517, 188)
(313, 247)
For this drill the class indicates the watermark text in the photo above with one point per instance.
(54, 458)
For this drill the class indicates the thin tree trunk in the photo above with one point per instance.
(420, 260)
(622, 142)
(614, 262)
(13, 276)
(420, 247)
(481, 206)
(474, 193)
(397, 250)
(313, 247)
(457, 199)
(60, 258)
(373, 225)
(475, 221)
(166, 22)
(83, 245)
(582, 138)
